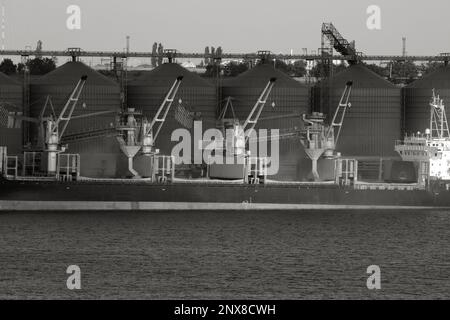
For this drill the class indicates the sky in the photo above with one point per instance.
(237, 25)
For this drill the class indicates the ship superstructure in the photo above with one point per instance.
(431, 149)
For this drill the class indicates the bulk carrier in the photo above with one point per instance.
(48, 177)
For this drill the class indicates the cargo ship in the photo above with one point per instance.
(47, 177)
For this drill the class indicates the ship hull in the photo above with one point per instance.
(20, 195)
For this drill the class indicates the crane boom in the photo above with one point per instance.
(67, 111)
(339, 115)
(164, 109)
(254, 115)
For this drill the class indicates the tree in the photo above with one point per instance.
(207, 59)
(160, 53)
(20, 67)
(298, 68)
(319, 70)
(406, 70)
(39, 49)
(154, 52)
(212, 70)
(281, 65)
(8, 67)
(323, 70)
(39, 66)
(430, 67)
(235, 68)
(219, 52)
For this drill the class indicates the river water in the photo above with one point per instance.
(225, 255)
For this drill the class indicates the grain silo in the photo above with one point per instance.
(11, 99)
(373, 123)
(147, 92)
(98, 155)
(287, 101)
(417, 96)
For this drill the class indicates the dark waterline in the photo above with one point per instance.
(230, 255)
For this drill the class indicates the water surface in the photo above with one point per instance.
(229, 255)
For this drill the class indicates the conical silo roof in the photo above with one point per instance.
(361, 76)
(165, 74)
(258, 77)
(438, 79)
(373, 123)
(6, 80)
(417, 96)
(70, 72)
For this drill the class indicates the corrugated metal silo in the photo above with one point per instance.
(417, 96)
(99, 155)
(147, 93)
(11, 95)
(373, 123)
(290, 97)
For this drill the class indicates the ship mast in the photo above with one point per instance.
(438, 119)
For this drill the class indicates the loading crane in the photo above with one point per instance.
(241, 131)
(320, 139)
(51, 128)
(52, 139)
(237, 135)
(137, 134)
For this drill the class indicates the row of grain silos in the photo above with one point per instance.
(380, 111)
(101, 157)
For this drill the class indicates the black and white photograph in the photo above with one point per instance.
(224, 156)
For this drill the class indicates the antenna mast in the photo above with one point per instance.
(438, 119)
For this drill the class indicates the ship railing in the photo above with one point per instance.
(3, 155)
(411, 142)
(388, 186)
(346, 172)
(31, 163)
(412, 148)
(163, 168)
(11, 166)
(256, 168)
(8, 164)
(68, 167)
